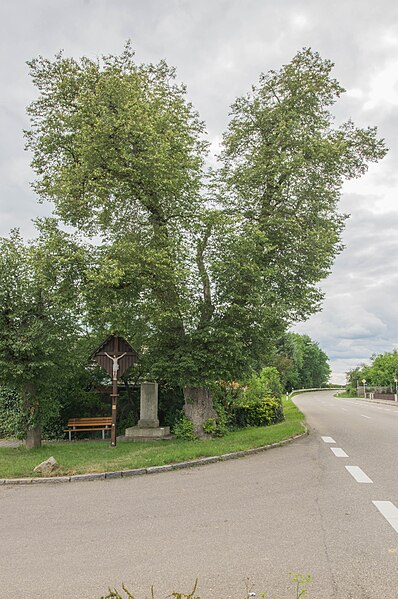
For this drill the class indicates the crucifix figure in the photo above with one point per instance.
(115, 360)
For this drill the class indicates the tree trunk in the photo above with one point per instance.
(33, 433)
(198, 408)
(33, 437)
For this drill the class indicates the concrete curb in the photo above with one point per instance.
(152, 469)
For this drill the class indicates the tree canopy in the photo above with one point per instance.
(201, 270)
(381, 372)
(39, 319)
(301, 363)
(283, 165)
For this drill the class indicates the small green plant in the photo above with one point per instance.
(301, 581)
(217, 427)
(190, 595)
(114, 594)
(183, 428)
(210, 426)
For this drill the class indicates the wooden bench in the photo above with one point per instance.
(75, 425)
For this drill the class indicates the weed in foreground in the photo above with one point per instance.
(300, 581)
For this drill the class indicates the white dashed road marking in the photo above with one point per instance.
(338, 452)
(363, 416)
(328, 440)
(358, 474)
(389, 511)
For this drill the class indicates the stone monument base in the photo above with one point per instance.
(140, 433)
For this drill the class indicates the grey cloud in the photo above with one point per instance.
(360, 312)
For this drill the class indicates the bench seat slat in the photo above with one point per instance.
(89, 425)
(77, 430)
(89, 422)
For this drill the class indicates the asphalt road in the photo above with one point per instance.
(295, 508)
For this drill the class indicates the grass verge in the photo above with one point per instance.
(98, 456)
(346, 395)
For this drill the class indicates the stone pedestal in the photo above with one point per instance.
(148, 424)
(135, 433)
(149, 406)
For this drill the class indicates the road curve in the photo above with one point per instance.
(295, 508)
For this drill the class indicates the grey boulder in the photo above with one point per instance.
(47, 466)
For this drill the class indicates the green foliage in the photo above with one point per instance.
(216, 426)
(347, 393)
(283, 165)
(301, 583)
(300, 362)
(183, 428)
(266, 383)
(259, 402)
(11, 414)
(203, 287)
(257, 412)
(381, 372)
(201, 273)
(39, 319)
(210, 426)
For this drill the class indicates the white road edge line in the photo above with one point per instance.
(389, 511)
(328, 440)
(359, 475)
(338, 452)
(363, 416)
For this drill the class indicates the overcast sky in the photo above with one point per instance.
(219, 48)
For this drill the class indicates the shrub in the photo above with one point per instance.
(216, 426)
(260, 404)
(11, 414)
(219, 426)
(183, 428)
(257, 412)
(267, 383)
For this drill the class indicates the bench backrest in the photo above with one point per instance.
(101, 421)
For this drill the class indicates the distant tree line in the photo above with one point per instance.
(381, 372)
(302, 364)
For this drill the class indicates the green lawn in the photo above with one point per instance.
(346, 394)
(98, 456)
